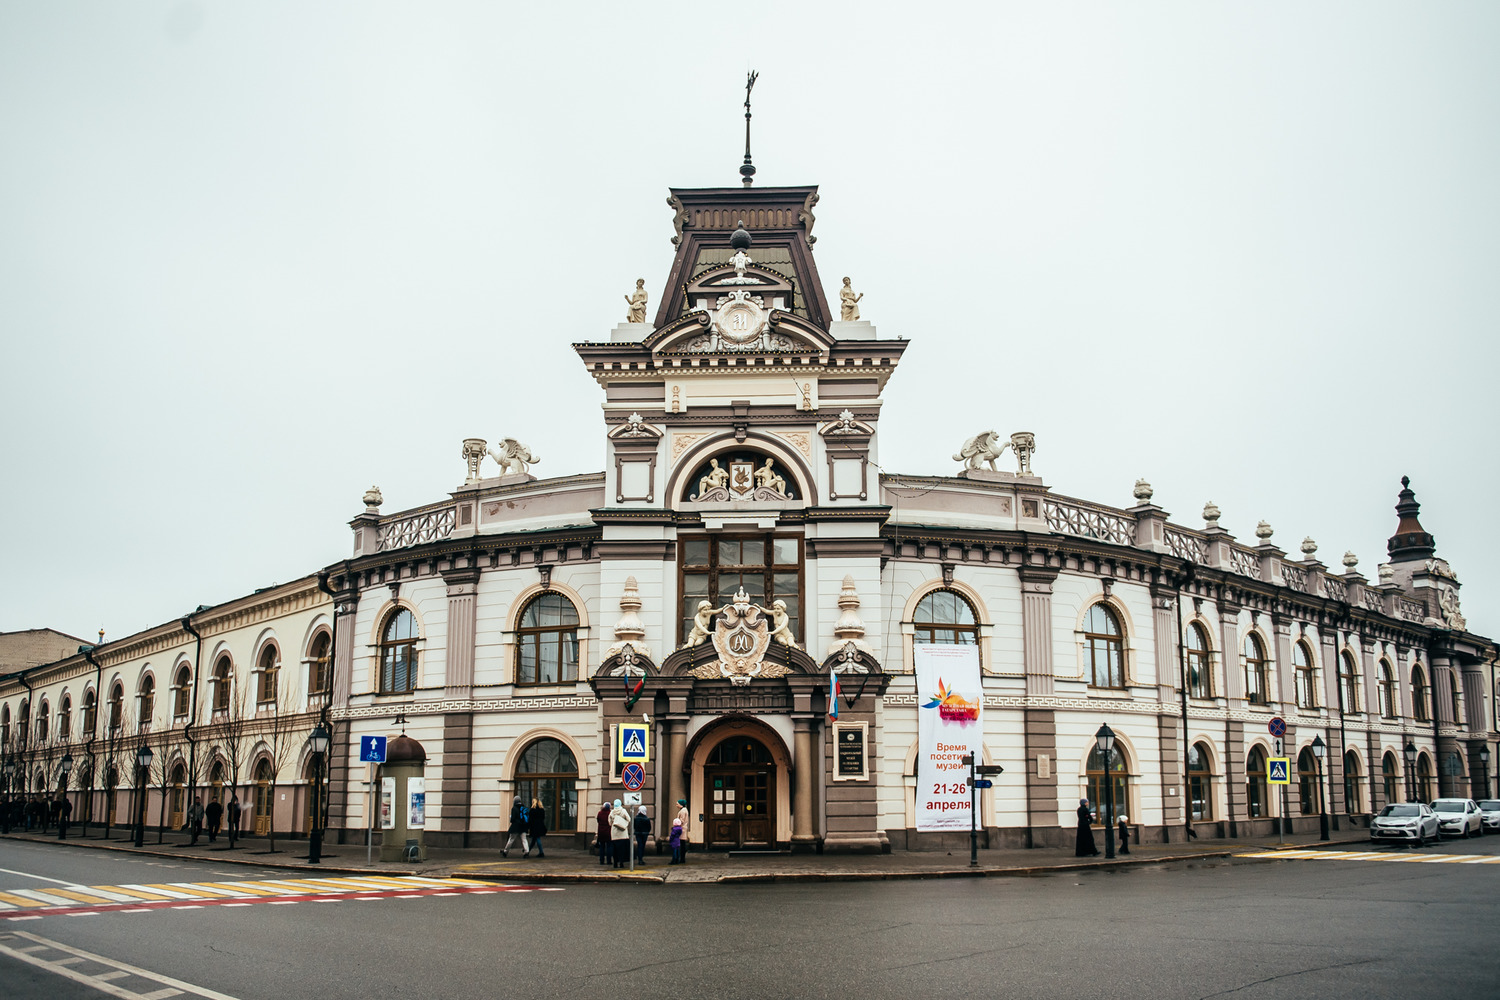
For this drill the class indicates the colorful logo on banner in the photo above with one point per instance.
(952, 706)
(949, 728)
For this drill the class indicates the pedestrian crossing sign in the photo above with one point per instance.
(1279, 771)
(634, 745)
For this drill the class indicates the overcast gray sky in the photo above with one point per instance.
(256, 257)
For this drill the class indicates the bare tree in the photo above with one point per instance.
(161, 768)
(116, 753)
(284, 740)
(234, 740)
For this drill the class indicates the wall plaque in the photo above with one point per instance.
(849, 762)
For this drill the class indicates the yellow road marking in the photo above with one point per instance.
(137, 893)
(19, 900)
(78, 897)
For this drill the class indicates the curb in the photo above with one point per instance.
(281, 865)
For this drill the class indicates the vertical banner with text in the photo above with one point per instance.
(950, 702)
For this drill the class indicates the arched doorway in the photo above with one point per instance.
(1424, 779)
(1119, 771)
(548, 772)
(179, 780)
(740, 787)
(1257, 799)
(1307, 783)
(739, 783)
(263, 798)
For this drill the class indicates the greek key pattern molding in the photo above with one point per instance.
(466, 705)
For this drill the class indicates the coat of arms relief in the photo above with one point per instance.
(741, 637)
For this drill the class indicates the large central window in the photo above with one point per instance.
(768, 567)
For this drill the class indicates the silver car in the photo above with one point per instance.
(1489, 809)
(1458, 817)
(1410, 822)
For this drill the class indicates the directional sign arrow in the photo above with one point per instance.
(989, 769)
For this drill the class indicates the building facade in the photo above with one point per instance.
(740, 545)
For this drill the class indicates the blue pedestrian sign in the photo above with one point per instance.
(1279, 771)
(372, 749)
(635, 745)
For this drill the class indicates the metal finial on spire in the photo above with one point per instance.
(747, 169)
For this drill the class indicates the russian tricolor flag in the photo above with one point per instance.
(833, 694)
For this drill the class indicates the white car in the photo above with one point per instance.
(1459, 817)
(1490, 810)
(1411, 822)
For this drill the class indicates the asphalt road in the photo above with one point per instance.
(1245, 928)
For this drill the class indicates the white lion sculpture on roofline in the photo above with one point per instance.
(981, 449)
(512, 456)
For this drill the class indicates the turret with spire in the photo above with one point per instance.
(1411, 541)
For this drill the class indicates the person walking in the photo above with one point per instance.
(214, 813)
(1124, 835)
(682, 821)
(619, 834)
(1086, 848)
(233, 813)
(676, 842)
(601, 832)
(195, 819)
(642, 831)
(64, 813)
(517, 829)
(536, 825)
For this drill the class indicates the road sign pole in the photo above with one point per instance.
(973, 815)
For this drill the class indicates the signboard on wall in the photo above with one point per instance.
(950, 704)
(416, 803)
(849, 762)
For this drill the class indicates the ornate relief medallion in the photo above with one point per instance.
(740, 637)
(682, 442)
(739, 318)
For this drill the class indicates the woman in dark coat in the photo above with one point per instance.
(601, 833)
(536, 824)
(1086, 848)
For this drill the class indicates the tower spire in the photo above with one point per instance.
(747, 169)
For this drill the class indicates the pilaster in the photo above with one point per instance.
(463, 585)
(1036, 629)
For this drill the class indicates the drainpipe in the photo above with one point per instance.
(31, 732)
(1338, 666)
(88, 654)
(187, 730)
(321, 813)
(1187, 746)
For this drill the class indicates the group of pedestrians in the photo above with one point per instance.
(1085, 847)
(528, 825)
(38, 813)
(615, 829)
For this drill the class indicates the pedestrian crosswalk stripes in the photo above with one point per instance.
(133, 898)
(1431, 859)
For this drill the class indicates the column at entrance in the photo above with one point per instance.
(806, 772)
(676, 744)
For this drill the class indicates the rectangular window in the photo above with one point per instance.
(768, 567)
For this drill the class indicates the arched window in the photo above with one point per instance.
(1349, 682)
(5, 726)
(223, 669)
(1387, 690)
(1307, 686)
(147, 703)
(23, 726)
(1424, 778)
(267, 669)
(216, 782)
(1256, 798)
(1119, 771)
(1352, 799)
(398, 653)
(1453, 699)
(547, 772)
(42, 721)
(65, 719)
(320, 666)
(944, 617)
(547, 641)
(182, 691)
(1419, 706)
(1200, 782)
(90, 712)
(116, 707)
(1257, 689)
(1200, 675)
(1104, 643)
(1307, 782)
(1388, 777)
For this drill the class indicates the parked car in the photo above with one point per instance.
(1458, 817)
(1489, 809)
(1411, 822)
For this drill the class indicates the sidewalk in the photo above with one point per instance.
(564, 864)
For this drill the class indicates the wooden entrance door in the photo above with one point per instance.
(739, 807)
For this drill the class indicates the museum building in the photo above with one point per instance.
(741, 546)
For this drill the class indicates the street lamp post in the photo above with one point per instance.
(1319, 748)
(10, 772)
(142, 768)
(1410, 753)
(66, 767)
(1484, 763)
(1105, 740)
(317, 742)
